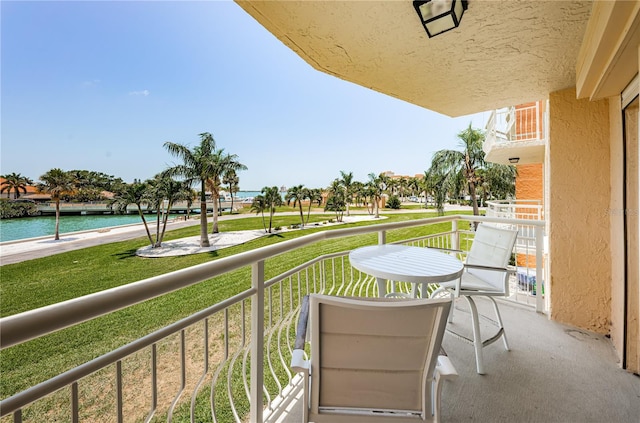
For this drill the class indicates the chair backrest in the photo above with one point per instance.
(374, 355)
(492, 246)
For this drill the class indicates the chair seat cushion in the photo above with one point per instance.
(471, 282)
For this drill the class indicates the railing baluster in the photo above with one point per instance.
(75, 418)
(540, 282)
(183, 375)
(119, 390)
(205, 368)
(154, 382)
(257, 341)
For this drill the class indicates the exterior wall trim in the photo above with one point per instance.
(608, 56)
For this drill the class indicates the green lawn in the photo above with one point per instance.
(36, 283)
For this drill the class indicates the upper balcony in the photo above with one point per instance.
(517, 134)
(229, 362)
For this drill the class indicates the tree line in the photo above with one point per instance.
(452, 175)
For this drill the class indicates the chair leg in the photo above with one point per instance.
(501, 326)
(477, 339)
(440, 290)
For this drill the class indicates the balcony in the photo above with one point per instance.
(229, 362)
(517, 134)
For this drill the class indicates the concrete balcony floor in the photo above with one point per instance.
(553, 373)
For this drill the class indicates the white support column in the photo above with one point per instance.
(455, 236)
(257, 342)
(540, 280)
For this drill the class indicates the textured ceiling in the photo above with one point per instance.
(504, 53)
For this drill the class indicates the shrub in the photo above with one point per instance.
(393, 203)
(12, 209)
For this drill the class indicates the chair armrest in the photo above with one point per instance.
(445, 368)
(298, 363)
(447, 250)
(508, 269)
(301, 329)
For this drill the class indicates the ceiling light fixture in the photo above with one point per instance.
(438, 16)
(514, 160)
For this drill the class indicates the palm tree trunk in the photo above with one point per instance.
(146, 227)
(57, 235)
(377, 206)
(204, 236)
(270, 219)
(214, 229)
(301, 213)
(474, 201)
(216, 204)
(158, 221)
(164, 224)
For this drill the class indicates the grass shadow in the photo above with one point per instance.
(127, 254)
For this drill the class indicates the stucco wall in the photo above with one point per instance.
(579, 201)
(529, 182)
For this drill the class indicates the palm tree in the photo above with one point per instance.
(336, 201)
(435, 187)
(296, 195)
(414, 186)
(259, 205)
(315, 196)
(498, 181)
(15, 182)
(346, 179)
(377, 185)
(220, 163)
(197, 167)
(272, 199)
(57, 183)
(231, 180)
(163, 193)
(135, 193)
(359, 195)
(460, 167)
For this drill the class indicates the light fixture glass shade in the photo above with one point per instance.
(440, 16)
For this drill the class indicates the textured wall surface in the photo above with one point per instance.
(503, 53)
(529, 182)
(579, 201)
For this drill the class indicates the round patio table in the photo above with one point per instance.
(403, 263)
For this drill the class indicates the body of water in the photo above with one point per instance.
(32, 227)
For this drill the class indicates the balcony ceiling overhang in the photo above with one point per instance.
(505, 52)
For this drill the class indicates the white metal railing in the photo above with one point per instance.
(524, 282)
(517, 124)
(232, 362)
(515, 209)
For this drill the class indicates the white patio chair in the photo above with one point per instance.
(486, 274)
(372, 360)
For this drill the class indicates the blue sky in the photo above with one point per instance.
(102, 85)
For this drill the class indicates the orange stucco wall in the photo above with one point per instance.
(579, 233)
(529, 182)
